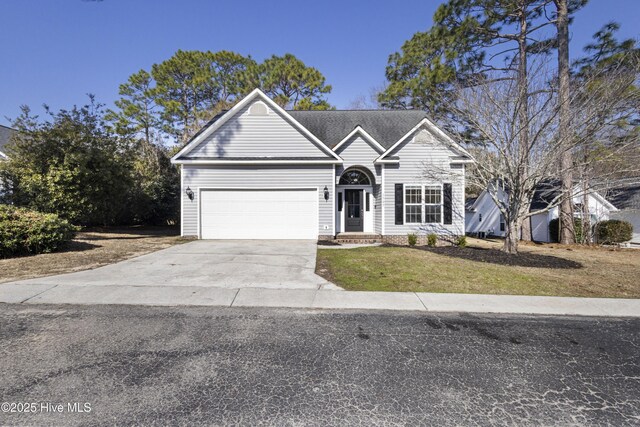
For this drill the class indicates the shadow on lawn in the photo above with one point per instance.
(128, 233)
(494, 256)
(78, 246)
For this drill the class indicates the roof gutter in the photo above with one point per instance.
(255, 162)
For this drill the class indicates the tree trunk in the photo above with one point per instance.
(567, 232)
(586, 214)
(523, 111)
(511, 239)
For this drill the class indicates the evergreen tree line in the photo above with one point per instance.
(98, 166)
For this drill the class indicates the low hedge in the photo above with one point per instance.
(614, 231)
(26, 232)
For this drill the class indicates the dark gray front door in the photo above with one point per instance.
(353, 214)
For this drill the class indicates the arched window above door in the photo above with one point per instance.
(354, 177)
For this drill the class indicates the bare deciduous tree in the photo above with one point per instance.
(600, 106)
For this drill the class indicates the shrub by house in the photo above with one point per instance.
(614, 231)
(26, 232)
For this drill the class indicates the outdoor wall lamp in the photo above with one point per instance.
(189, 192)
(326, 193)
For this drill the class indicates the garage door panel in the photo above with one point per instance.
(259, 214)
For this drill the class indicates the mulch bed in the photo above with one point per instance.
(494, 256)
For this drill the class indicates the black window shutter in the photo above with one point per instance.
(339, 202)
(367, 201)
(448, 203)
(399, 204)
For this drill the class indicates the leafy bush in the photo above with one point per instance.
(24, 232)
(614, 231)
(554, 229)
(432, 239)
(461, 241)
(412, 238)
(74, 165)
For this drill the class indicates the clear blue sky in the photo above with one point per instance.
(55, 52)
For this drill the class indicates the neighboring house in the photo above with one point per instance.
(260, 172)
(5, 137)
(626, 198)
(484, 218)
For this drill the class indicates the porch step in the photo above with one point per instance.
(359, 238)
(359, 241)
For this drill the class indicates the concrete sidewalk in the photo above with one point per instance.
(318, 299)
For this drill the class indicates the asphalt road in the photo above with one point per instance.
(190, 366)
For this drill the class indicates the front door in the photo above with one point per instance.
(354, 214)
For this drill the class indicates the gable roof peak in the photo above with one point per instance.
(256, 93)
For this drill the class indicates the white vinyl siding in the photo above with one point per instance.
(200, 177)
(421, 159)
(256, 135)
(358, 152)
(539, 227)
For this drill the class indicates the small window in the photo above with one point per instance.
(413, 204)
(502, 226)
(367, 202)
(479, 217)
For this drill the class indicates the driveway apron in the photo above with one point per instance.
(231, 264)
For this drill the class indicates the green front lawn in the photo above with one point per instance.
(540, 270)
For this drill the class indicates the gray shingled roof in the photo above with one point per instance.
(255, 158)
(5, 136)
(330, 127)
(626, 195)
(386, 126)
(545, 194)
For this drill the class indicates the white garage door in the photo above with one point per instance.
(259, 214)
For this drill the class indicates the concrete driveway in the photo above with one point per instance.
(231, 264)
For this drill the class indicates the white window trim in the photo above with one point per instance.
(368, 217)
(182, 194)
(423, 204)
(383, 190)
